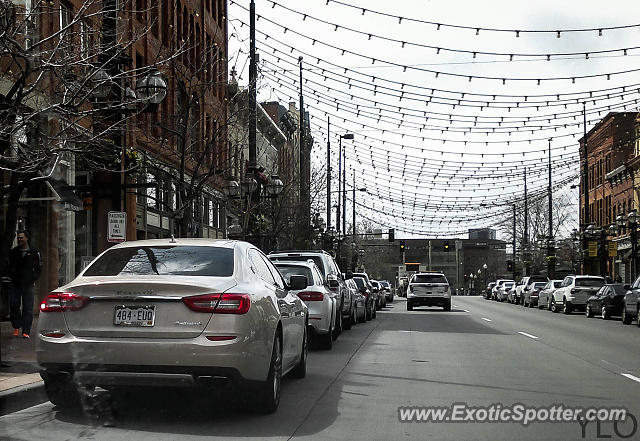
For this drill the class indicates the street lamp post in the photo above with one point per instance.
(632, 219)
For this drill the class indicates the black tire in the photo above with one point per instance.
(367, 312)
(549, 303)
(447, 306)
(604, 313)
(554, 306)
(589, 312)
(61, 391)
(337, 329)
(409, 306)
(374, 313)
(638, 316)
(300, 371)
(566, 309)
(269, 392)
(626, 319)
(346, 323)
(364, 316)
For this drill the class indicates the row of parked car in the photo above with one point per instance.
(590, 294)
(197, 313)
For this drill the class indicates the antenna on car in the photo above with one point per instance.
(173, 239)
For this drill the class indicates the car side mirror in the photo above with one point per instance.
(333, 283)
(626, 287)
(298, 282)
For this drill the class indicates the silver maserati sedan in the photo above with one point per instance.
(197, 313)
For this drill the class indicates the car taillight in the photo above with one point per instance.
(410, 288)
(311, 296)
(227, 303)
(573, 291)
(62, 301)
(446, 288)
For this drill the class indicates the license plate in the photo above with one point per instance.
(134, 315)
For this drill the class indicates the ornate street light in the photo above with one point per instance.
(232, 188)
(632, 217)
(249, 185)
(620, 221)
(235, 229)
(275, 186)
(152, 87)
(102, 84)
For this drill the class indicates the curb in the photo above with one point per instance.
(21, 397)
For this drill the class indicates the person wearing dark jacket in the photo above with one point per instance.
(24, 270)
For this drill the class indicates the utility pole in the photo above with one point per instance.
(340, 185)
(304, 176)
(354, 207)
(513, 244)
(525, 253)
(551, 263)
(328, 174)
(252, 88)
(344, 192)
(585, 182)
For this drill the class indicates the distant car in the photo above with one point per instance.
(524, 292)
(574, 292)
(429, 289)
(380, 294)
(531, 294)
(360, 301)
(519, 287)
(631, 308)
(174, 313)
(372, 289)
(544, 297)
(321, 302)
(503, 290)
(386, 287)
(607, 302)
(494, 290)
(366, 290)
(487, 292)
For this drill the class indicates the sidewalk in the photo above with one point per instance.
(20, 382)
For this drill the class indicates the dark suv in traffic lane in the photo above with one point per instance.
(631, 305)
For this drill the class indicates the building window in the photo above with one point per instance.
(152, 192)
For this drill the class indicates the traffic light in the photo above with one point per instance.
(446, 245)
(402, 245)
(465, 277)
(510, 266)
(392, 234)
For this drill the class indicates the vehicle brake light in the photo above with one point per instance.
(311, 296)
(63, 301)
(446, 288)
(573, 291)
(221, 337)
(226, 303)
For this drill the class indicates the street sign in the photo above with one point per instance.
(117, 226)
(593, 248)
(613, 249)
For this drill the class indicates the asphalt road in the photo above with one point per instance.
(481, 353)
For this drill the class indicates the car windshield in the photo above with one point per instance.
(539, 285)
(508, 285)
(359, 282)
(295, 270)
(429, 278)
(385, 284)
(164, 261)
(590, 282)
(557, 283)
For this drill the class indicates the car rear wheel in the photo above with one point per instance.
(346, 323)
(589, 311)
(300, 371)
(363, 318)
(626, 319)
(566, 309)
(549, 303)
(554, 306)
(447, 306)
(374, 313)
(409, 306)
(604, 313)
(638, 316)
(367, 312)
(337, 329)
(62, 391)
(269, 392)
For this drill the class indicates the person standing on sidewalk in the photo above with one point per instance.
(24, 269)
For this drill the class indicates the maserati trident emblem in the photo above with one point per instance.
(188, 323)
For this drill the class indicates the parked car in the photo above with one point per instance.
(607, 302)
(487, 292)
(429, 289)
(504, 289)
(544, 297)
(494, 290)
(333, 277)
(381, 297)
(322, 303)
(167, 312)
(574, 292)
(519, 287)
(631, 308)
(388, 290)
(359, 301)
(528, 286)
(374, 291)
(366, 290)
(403, 284)
(532, 293)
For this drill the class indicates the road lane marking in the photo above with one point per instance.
(631, 377)
(465, 310)
(528, 335)
(485, 319)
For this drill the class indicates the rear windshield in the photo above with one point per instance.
(429, 278)
(618, 288)
(557, 284)
(385, 284)
(590, 282)
(164, 261)
(295, 270)
(360, 282)
(540, 284)
(508, 285)
(316, 259)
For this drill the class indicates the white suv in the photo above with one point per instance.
(429, 289)
(574, 292)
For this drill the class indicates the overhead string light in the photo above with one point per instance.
(474, 53)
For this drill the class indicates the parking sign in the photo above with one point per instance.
(117, 226)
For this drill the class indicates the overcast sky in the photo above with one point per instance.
(439, 153)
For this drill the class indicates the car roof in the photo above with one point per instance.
(222, 243)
